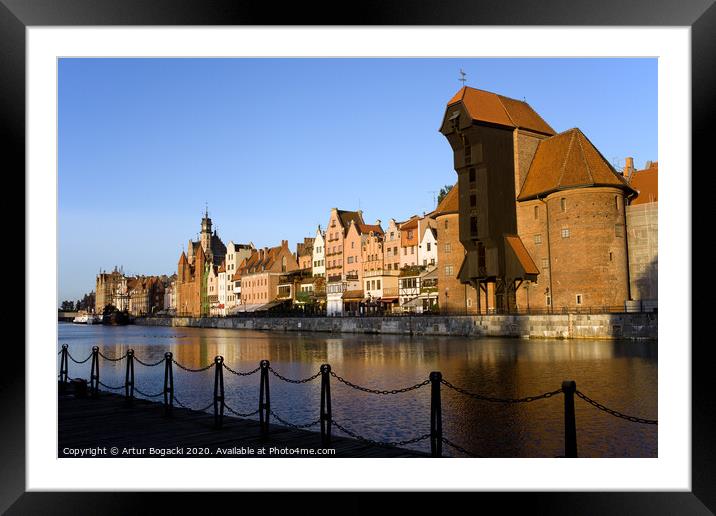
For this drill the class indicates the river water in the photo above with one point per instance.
(621, 375)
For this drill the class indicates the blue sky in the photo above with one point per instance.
(272, 144)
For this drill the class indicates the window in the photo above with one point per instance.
(565, 232)
(353, 244)
(448, 247)
(412, 249)
(473, 200)
(448, 270)
(377, 284)
(610, 256)
(446, 224)
(619, 230)
(548, 300)
(536, 212)
(405, 251)
(472, 175)
(428, 246)
(538, 239)
(563, 204)
(616, 202)
(350, 259)
(395, 251)
(579, 299)
(410, 234)
(473, 226)
(545, 263)
(468, 302)
(432, 261)
(425, 261)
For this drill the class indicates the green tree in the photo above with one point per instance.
(443, 192)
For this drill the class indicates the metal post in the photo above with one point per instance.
(264, 398)
(94, 372)
(63, 368)
(570, 425)
(218, 391)
(168, 384)
(436, 418)
(326, 414)
(129, 376)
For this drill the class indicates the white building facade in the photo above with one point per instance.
(319, 254)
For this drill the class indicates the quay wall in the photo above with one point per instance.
(553, 326)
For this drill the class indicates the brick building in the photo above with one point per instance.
(542, 215)
(193, 269)
(453, 295)
(260, 274)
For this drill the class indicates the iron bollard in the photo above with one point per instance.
(129, 376)
(63, 368)
(168, 384)
(436, 418)
(326, 415)
(94, 372)
(570, 425)
(264, 398)
(218, 391)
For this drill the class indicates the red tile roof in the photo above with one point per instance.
(523, 256)
(646, 182)
(568, 160)
(449, 204)
(485, 106)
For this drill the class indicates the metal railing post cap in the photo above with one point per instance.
(569, 385)
(264, 364)
(95, 348)
(168, 354)
(325, 368)
(218, 359)
(436, 376)
(130, 352)
(64, 346)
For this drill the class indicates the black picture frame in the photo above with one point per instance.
(16, 15)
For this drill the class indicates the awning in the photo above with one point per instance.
(414, 303)
(388, 299)
(268, 306)
(353, 295)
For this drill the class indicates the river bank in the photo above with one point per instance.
(635, 326)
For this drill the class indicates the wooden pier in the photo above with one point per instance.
(109, 420)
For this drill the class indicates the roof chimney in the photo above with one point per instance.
(284, 243)
(377, 222)
(629, 168)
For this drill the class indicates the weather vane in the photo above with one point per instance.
(462, 78)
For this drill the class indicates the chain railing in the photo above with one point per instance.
(615, 413)
(325, 420)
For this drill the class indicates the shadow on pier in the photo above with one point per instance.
(134, 426)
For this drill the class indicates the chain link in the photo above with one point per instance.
(239, 414)
(112, 359)
(189, 408)
(284, 422)
(379, 443)
(305, 380)
(136, 358)
(615, 413)
(239, 373)
(377, 391)
(110, 387)
(149, 395)
(526, 399)
(194, 370)
(78, 361)
(459, 448)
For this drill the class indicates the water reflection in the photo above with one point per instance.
(622, 375)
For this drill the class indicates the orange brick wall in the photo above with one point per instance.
(579, 264)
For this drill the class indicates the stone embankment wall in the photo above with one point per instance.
(562, 326)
